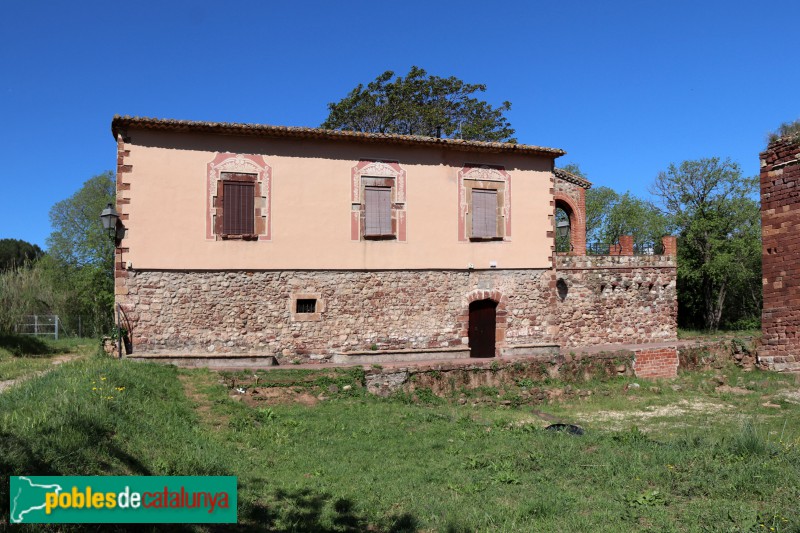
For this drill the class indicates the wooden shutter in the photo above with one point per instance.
(238, 211)
(484, 213)
(378, 207)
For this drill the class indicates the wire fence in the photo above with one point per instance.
(56, 326)
(38, 325)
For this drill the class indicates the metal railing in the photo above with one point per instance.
(648, 248)
(38, 325)
(601, 248)
(614, 248)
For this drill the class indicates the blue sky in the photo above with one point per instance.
(626, 88)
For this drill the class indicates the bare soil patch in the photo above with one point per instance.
(683, 408)
(261, 396)
(733, 390)
(791, 396)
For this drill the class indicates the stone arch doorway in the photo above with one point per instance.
(482, 328)
(567, 212)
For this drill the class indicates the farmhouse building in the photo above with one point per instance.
(303, 244)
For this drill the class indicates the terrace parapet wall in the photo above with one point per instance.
(780, 228)
(616, 299)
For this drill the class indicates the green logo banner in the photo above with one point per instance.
(123, 499)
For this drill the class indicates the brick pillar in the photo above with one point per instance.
(670, 243)
(579, 238)
(780, 255)
(625, 245)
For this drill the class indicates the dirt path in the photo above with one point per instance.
(61, 359)
(202, 404)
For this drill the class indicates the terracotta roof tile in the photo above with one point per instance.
(122, 123)
(572, 178)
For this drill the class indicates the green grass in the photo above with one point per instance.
(685, 334)
(24, 354)
(417, 462)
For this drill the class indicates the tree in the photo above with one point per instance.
(599, 202)
(610, 215)
(82, 255)
(630, 215)
(420, 104)
(719, 247)
(16, 252)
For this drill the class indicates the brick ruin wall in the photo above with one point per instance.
(780, 231)
(251, 312)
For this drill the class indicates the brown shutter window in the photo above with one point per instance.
(484, 214)
(378, 207)
(238, 210)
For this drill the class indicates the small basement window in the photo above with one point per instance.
(306, 305)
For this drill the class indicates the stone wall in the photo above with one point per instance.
(608, 300)
(251, 312)
(616, 299)
(780, 229)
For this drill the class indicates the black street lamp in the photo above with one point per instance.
(111, 224)
(562, 228)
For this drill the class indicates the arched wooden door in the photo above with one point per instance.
(482, 324)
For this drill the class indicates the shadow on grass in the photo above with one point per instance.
(308, 510)
(18, 456)
(289, 510)
(301, 510)
(25, 345)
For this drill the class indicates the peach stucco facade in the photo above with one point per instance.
(310, 206)
(297, 244)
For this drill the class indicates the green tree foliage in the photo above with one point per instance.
(81, 255)
(599, 202)
(25, 290)
(16, 252)
(419, 104)
(610, 215)
(719, 249)
(630, 215)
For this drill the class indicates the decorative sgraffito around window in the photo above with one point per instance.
(374, 175)
(226, 164)
(487, 178)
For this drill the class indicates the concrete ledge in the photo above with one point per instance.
(527, 350)
(228, 360)
(394, 356)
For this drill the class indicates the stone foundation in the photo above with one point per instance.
(254, 312)
(250, 312)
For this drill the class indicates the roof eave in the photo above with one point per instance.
(123, 123)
